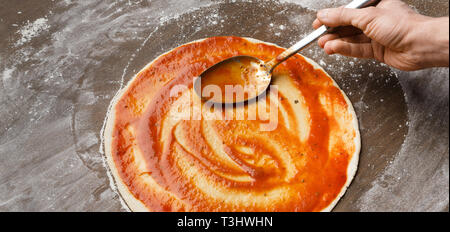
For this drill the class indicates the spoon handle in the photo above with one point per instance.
(356, 4)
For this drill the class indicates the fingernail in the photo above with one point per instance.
(323, 14)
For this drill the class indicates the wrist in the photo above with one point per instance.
(431, 44)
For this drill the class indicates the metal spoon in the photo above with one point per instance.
(248, 77)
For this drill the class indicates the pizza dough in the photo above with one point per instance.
(299, 157)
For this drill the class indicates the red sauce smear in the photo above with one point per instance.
(184, 172)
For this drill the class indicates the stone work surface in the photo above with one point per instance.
(62, 62)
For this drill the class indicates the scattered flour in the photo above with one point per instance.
(317, 5)
(322, 63)
(7, 73)
(31, 30)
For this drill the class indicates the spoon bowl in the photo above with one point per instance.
(233, 80)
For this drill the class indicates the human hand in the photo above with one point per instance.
(391, 33)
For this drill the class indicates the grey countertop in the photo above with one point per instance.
(61, 63)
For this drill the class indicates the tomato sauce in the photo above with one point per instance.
(229, 165)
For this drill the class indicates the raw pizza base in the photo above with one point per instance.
(133, 204)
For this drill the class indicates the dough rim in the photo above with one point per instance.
(133, 204)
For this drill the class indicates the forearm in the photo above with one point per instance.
(433, 42)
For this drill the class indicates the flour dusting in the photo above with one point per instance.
(31, 30)
(7, 73)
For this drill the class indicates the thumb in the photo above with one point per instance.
(336, 17)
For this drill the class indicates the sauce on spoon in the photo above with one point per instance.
(237, 79)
